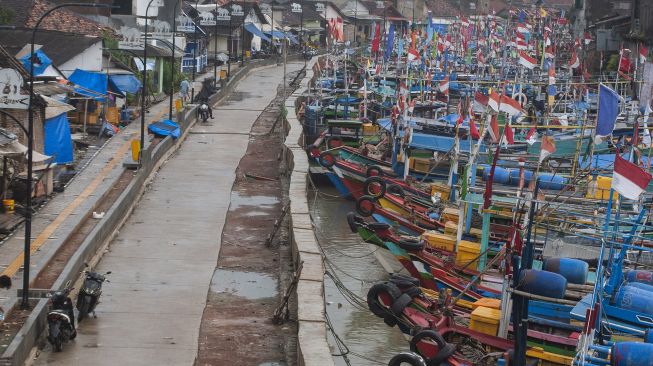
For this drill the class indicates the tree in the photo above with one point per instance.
(6, 15)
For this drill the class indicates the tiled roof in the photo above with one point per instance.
(442, 8)
(389, 11)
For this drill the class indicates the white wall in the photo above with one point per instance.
(139, 7)
(222, 45)
(89, 60)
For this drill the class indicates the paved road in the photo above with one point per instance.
(164, 257)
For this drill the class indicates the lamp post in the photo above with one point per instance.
(301, 29)
(144, 91)
(231, 44)
(192, 89)
(172, 77)
(30, 147)
(215, 47)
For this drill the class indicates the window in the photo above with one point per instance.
(123, 7)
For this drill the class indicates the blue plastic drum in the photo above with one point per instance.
(632, 354)
(574, 270)
(543, 283)
(552, 182)
(640, 276)
(635, 299)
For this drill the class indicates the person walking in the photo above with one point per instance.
(184, 89)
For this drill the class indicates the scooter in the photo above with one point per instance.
(204, 112)
(89, 295)
(61, 319)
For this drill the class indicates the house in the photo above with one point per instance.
(68, 51)
(306, 20)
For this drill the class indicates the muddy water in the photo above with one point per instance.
(364, 334)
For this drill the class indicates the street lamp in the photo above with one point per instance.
(192, 89)
(172, 77)
(144, 91)
(30, 147)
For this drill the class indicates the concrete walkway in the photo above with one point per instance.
(63, 213)
(165, 255)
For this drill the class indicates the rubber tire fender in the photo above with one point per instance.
(372, 180)
(373, 298)
(445, 349)
(410, 358)
(374, 168)
(401, 303)
(403, 280)
(363, 211)
(327, 159)
(411, 244)
(413, 292)
(396, 190)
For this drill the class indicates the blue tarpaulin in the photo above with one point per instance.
(93, 84)
(276, 34)
(292, 38)
(58, 142)
(127, 83)
(165, 128)
(438, 143)
(250, 27)
(39, 66)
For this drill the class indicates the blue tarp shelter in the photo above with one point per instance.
(292, 38)
(58, 142)
(127, 83)
(40, 66)
(250, 27)
(164, 128)
(276, 34)
(93, 84)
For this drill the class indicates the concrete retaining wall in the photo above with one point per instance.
(312, 346)
(153, 156)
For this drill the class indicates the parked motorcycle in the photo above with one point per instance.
(204, 112)
(89, 295)
(308, 54)
(61, 319)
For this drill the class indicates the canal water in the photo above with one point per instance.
(352, 261)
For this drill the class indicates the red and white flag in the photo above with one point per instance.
(587, 38)
(413, 55)
(548, 147)
(444, 85)
(494, 101)
(473, 130)
(643, 53)
(521, 45)
(510, 106)
(522, 28)
(552, 75)
(629, 179)
(509, 135)
(574, 62)
(549, 53)
(531, 136)
(527, 61)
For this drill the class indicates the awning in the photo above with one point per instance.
(276, 34)
(292, 38)
(93, 84)
(55, 107)
(127, 83)
(250, 27)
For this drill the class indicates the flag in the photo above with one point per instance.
(629, 179)
(574, 62)
(548, 147)
(377, 38)
(587, 38)
(391, 41)
(509, 134)
(444, 85)
(494, 101)
(543, 12)
(643, 53)
(526, 60)
(646, 139)
(493, 127)
(552, 75)
(531, 136)
(510, 106)
(625, 65)
(413, 55)
(608, 111)
(549, 53)
(473, 131)
(521, 45)
(522, 28)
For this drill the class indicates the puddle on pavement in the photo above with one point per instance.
(263, 202)
(250, 285)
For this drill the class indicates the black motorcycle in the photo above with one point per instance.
(89, 295)
(203, 111)
(61, 319)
